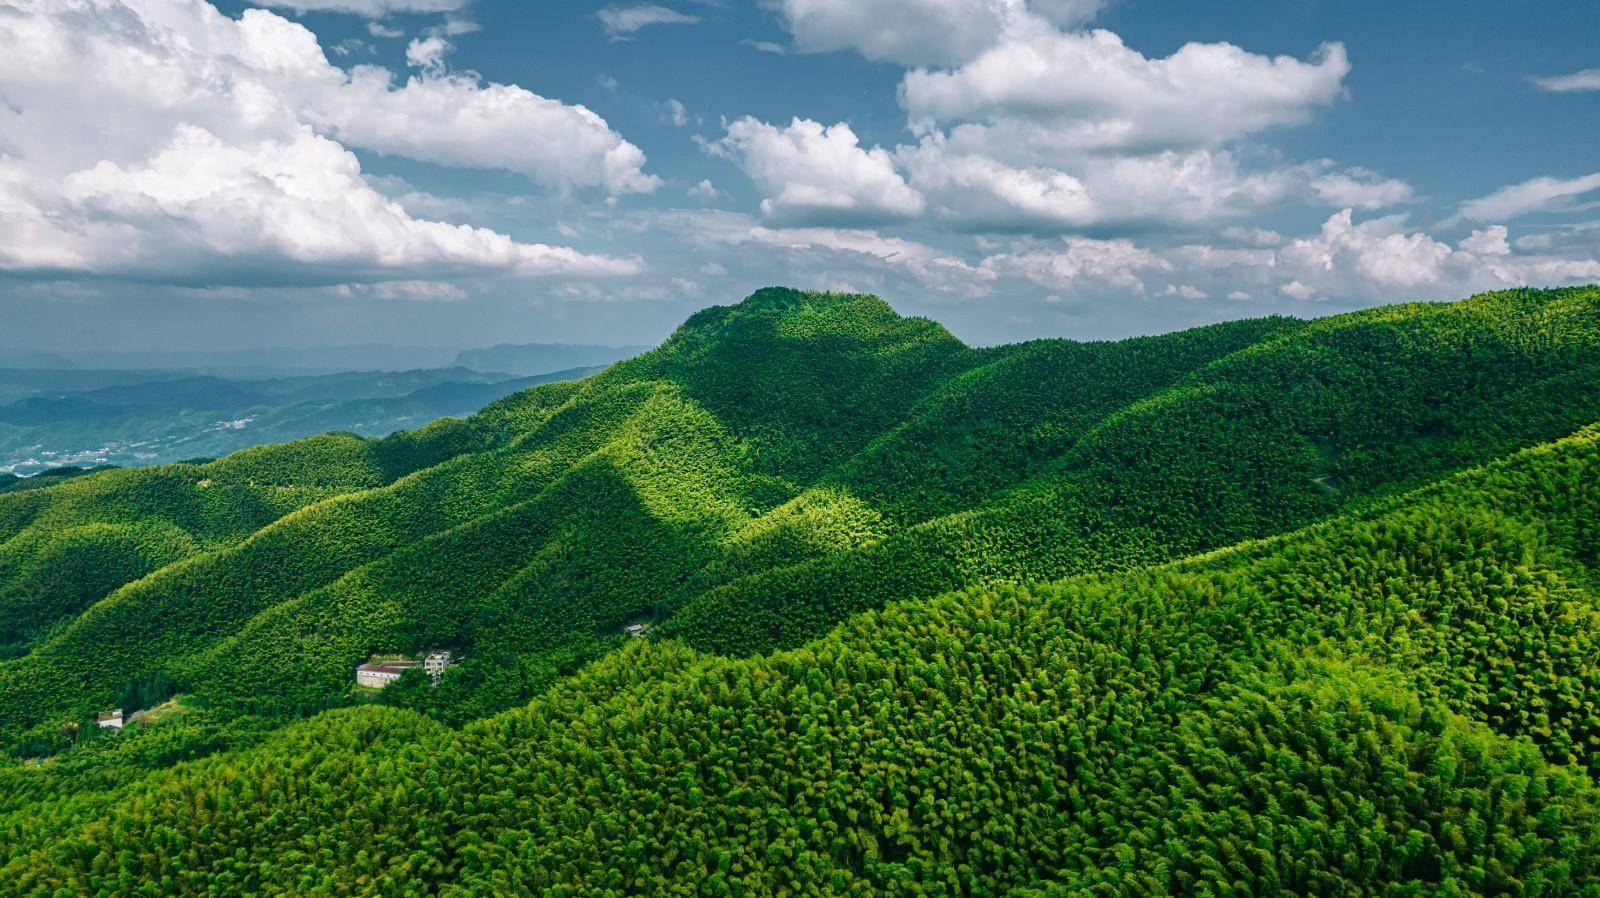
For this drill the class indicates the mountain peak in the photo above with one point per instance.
(790, 367)
(788, 313)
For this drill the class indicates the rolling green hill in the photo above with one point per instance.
(839, 521)
(1397, 702)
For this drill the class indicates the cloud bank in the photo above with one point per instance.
(163, 140)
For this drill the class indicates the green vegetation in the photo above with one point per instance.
(921, 625)
(11, 483)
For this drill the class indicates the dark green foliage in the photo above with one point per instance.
(11, 483)
(828, 512)
(1307, 422)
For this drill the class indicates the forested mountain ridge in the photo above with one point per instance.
(1398, 702)
(771, 468)
(796, 461)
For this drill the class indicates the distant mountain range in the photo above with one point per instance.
(240, 362)
(53, 418)
(145, 407)
(518, 359)
(534, 358)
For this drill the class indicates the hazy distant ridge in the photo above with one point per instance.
(541, 358)
(509, 358)
(154, 422)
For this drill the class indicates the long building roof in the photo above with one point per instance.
(394, 667)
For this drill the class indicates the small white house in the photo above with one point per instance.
(435, 664)
(637, 630)
(109, 720)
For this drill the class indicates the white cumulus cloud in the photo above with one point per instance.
(1023, 123)
(427, 52)
(1079, 261)
(1385, 260)
(1170, 189)
(1089, 90)
(455, 120)
(814, 249)
(1490, 241)
(1378, 251)
(1361, 189)
(705, 191)
(293, 211)
(811, 173)
(372, 9)
(921, 32)
(162, 139)
(912, 32)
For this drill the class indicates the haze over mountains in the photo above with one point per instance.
(541, 358)
(205, 404)
(514, 358)
(239, 362)
(920, 624)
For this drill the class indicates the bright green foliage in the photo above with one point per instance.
(771, 469)
(1309, 421)
(828, 513)
(1302, 716)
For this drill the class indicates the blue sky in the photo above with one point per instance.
(308, 172)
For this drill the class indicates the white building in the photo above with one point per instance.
(435, 664)
(378, 674)
(109, 720)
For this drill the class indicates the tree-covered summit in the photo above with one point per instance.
(919, 623)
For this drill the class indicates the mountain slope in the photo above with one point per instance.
(771, 469)
(1391, 702)
(1307, 421)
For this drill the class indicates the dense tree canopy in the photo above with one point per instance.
(919, 626)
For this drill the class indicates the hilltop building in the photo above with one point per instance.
(109, 720)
